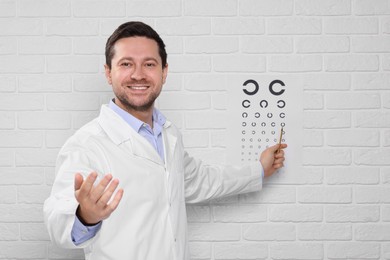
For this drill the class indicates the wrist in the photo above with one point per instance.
(82, 219)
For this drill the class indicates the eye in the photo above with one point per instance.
(150, 64)
(125, 64)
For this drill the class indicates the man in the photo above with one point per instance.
(144, 216)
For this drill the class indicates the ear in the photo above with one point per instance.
(165, 73)
(107, 72)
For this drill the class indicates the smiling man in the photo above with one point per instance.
(123, 179)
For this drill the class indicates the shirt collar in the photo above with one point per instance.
(135, 123)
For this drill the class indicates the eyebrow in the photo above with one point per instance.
(144, 59)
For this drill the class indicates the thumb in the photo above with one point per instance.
(78, 181)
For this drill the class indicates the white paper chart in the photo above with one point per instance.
(258, 107)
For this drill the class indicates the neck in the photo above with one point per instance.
(145, 116)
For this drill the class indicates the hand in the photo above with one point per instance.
(272, 159)
(93, 201)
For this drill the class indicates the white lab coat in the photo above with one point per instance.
(150, 222)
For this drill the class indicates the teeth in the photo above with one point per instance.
(138, 88)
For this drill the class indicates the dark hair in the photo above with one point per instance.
(133, 29)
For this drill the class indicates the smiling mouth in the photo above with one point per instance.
(138, 87)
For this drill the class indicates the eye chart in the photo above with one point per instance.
(258, 107)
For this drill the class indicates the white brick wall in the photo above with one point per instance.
(52, 82)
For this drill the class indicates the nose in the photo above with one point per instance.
(137, 73)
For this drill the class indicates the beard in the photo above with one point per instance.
(131, 105)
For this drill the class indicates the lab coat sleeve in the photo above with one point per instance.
(59, 209)
(205, 182)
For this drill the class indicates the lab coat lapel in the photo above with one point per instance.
(125, 137)
(170, 141)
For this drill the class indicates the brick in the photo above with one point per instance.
(12, 250)
(100, 9)
(17, 213)
(297, 250)
(352, 175)
(307, 175)
(195, 139)
(386, 138)
(45, 83)
(372, 119)
(325, 195)
(45, 45)
(7, 45)
(353, 138)
(386, 100)
(352, 63)
(9, 232)
(8, 195)
(266, 44)
(268, 232)
(211, 45)
(7, 157)
(313, 138)
(385, 175)
(295, 213)
(240, 251)
(73, 64)
(219, 101)
(326, 119)
(73, 27)
(372, 156)
(270, 195)
(44, 8)
(189, 63)
(7, 83)
(20, 102)
(313, 101)
(371, 81)
(205, 82)
(72, 102)
(218, 138)
(205, 120)
(7, 8)
(89, 45)
(295, 63)
(214, 232)
(324, 232)
(372, 194)
(154, 8)
(266, 8)
(372, 232)
(190, 101)
(31, 157)
(353, 250)
(184, 26)
(91, 83)
(21, 27)
(44, 120)
(13, 138)
(351, 25)
(366, 7)
(33, 194)
(56, 138)
(239, 63)
(200, 250)
(81, 118)
(317, 156)
(239, 214)
(385, 213)
(22, 176)
(385, 62)
(326, 81)
(307, 26)
(369, 44)
(213, 8)
(238, 26)
(34, 232)
(22, 64)
(198, 214)
(352, 214)
(49, 175)
(317, 44)
(320, 7)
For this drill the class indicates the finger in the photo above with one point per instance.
(98, 191)
(78, 181)
(87, 185)
(106, 196)
(115, 202)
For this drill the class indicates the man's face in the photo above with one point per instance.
(136, 73)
